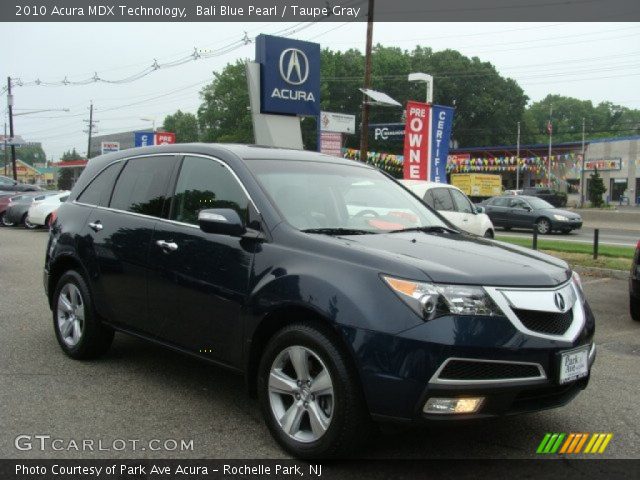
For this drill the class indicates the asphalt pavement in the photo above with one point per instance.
(141, 391)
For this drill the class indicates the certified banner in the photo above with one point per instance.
(416, 141)
(441, 121)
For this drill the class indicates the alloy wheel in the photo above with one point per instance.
(70, 314)
(543, 226)
(301, 394)
(29, 225)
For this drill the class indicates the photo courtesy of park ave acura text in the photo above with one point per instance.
(344, 239)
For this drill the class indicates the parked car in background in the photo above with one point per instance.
(16, 212)
(5, 198)
(10, 198)
(522, 211)
(40, 212)
(634, 286)
(512, 192)
(453, 205)
(256, 259)
(554, 197)
(8, 184)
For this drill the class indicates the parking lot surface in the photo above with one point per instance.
(139, 391)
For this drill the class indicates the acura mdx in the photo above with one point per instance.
(268, 262)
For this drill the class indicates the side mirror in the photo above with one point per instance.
(527, 208)
(480, 209)
(223, 221)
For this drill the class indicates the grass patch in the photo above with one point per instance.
(586, 260)
(585, 249)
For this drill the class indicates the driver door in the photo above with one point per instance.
(520, 213)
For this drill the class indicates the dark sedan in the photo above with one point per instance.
(16, 211)
(8, 184)
(522, 211)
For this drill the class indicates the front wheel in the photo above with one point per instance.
(543, 226)
(489, 234)
(29, 225)
(78, 330)
(309, 396)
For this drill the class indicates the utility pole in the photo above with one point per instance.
(5, 148)
(584, 159)
(90, 130)
(364, 133)
(518, 160)
(550, 130)
(13, 146)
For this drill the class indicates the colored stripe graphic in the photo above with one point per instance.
(573, 443)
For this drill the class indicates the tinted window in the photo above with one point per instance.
(499, 201)
(428, 199)
(204, 183)
(99, 190)
(517, 203)
(142, 185)
(461, 201)
(442, 199)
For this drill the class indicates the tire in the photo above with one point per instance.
(6, 222)
(543, 225)
(28, 225)
(634, 309)
(489, 234)
(78, 329)
(342, 418)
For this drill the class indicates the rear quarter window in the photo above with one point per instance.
(99, 190)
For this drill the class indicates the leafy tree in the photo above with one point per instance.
(224, 115)
(31, 154)
(184, 125)
(596, 189)
(65, 175)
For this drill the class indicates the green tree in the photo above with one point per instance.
(184, 125)
(31, 154)
(596, 189)
(65, 175)
(224, 115)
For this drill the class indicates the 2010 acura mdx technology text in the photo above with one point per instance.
(265, 261)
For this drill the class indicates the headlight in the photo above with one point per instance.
(430, 300)
(577, 281)
(562, 218)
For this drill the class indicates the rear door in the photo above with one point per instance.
(120, 228)
(496, 209)
(464, 208)
(199, 280)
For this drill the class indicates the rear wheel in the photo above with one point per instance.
(489, 234)
(29, 225)
(308, 394)
(543, 226)
(634, 309)
(78, 330)
(6, 222)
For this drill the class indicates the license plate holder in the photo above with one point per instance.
(573, 365)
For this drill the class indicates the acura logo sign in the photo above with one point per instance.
(558, 299)
(294, 66)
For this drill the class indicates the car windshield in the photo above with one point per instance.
(538, 203)
(340, 198)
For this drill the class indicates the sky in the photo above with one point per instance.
(590, 61)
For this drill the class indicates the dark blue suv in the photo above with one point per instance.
(340, 306)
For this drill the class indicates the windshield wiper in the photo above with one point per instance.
(338, 231)
(429, 229)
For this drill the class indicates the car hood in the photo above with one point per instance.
(559, 211)
(465, 259)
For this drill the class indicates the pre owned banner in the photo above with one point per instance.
(416, 141)
(426, 141)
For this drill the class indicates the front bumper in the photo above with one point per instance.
(566, 225)
(400, 372)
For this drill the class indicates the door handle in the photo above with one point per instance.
(96, 226)
(171, 246)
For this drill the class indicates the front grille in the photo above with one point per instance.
(551, 323)
(472, 370)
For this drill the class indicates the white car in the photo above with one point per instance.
(453, 205)
(39, 213)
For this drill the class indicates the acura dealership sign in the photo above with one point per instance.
(289, 75)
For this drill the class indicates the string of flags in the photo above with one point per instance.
(388, 162)
(535, 164)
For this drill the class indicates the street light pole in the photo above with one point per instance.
(518, 160)
(582, 165)
(550, 128)
(90, 130)
(13, 147)
(364, 133)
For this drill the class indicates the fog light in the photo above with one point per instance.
(453, 405)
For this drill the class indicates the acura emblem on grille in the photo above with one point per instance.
(559, 301)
